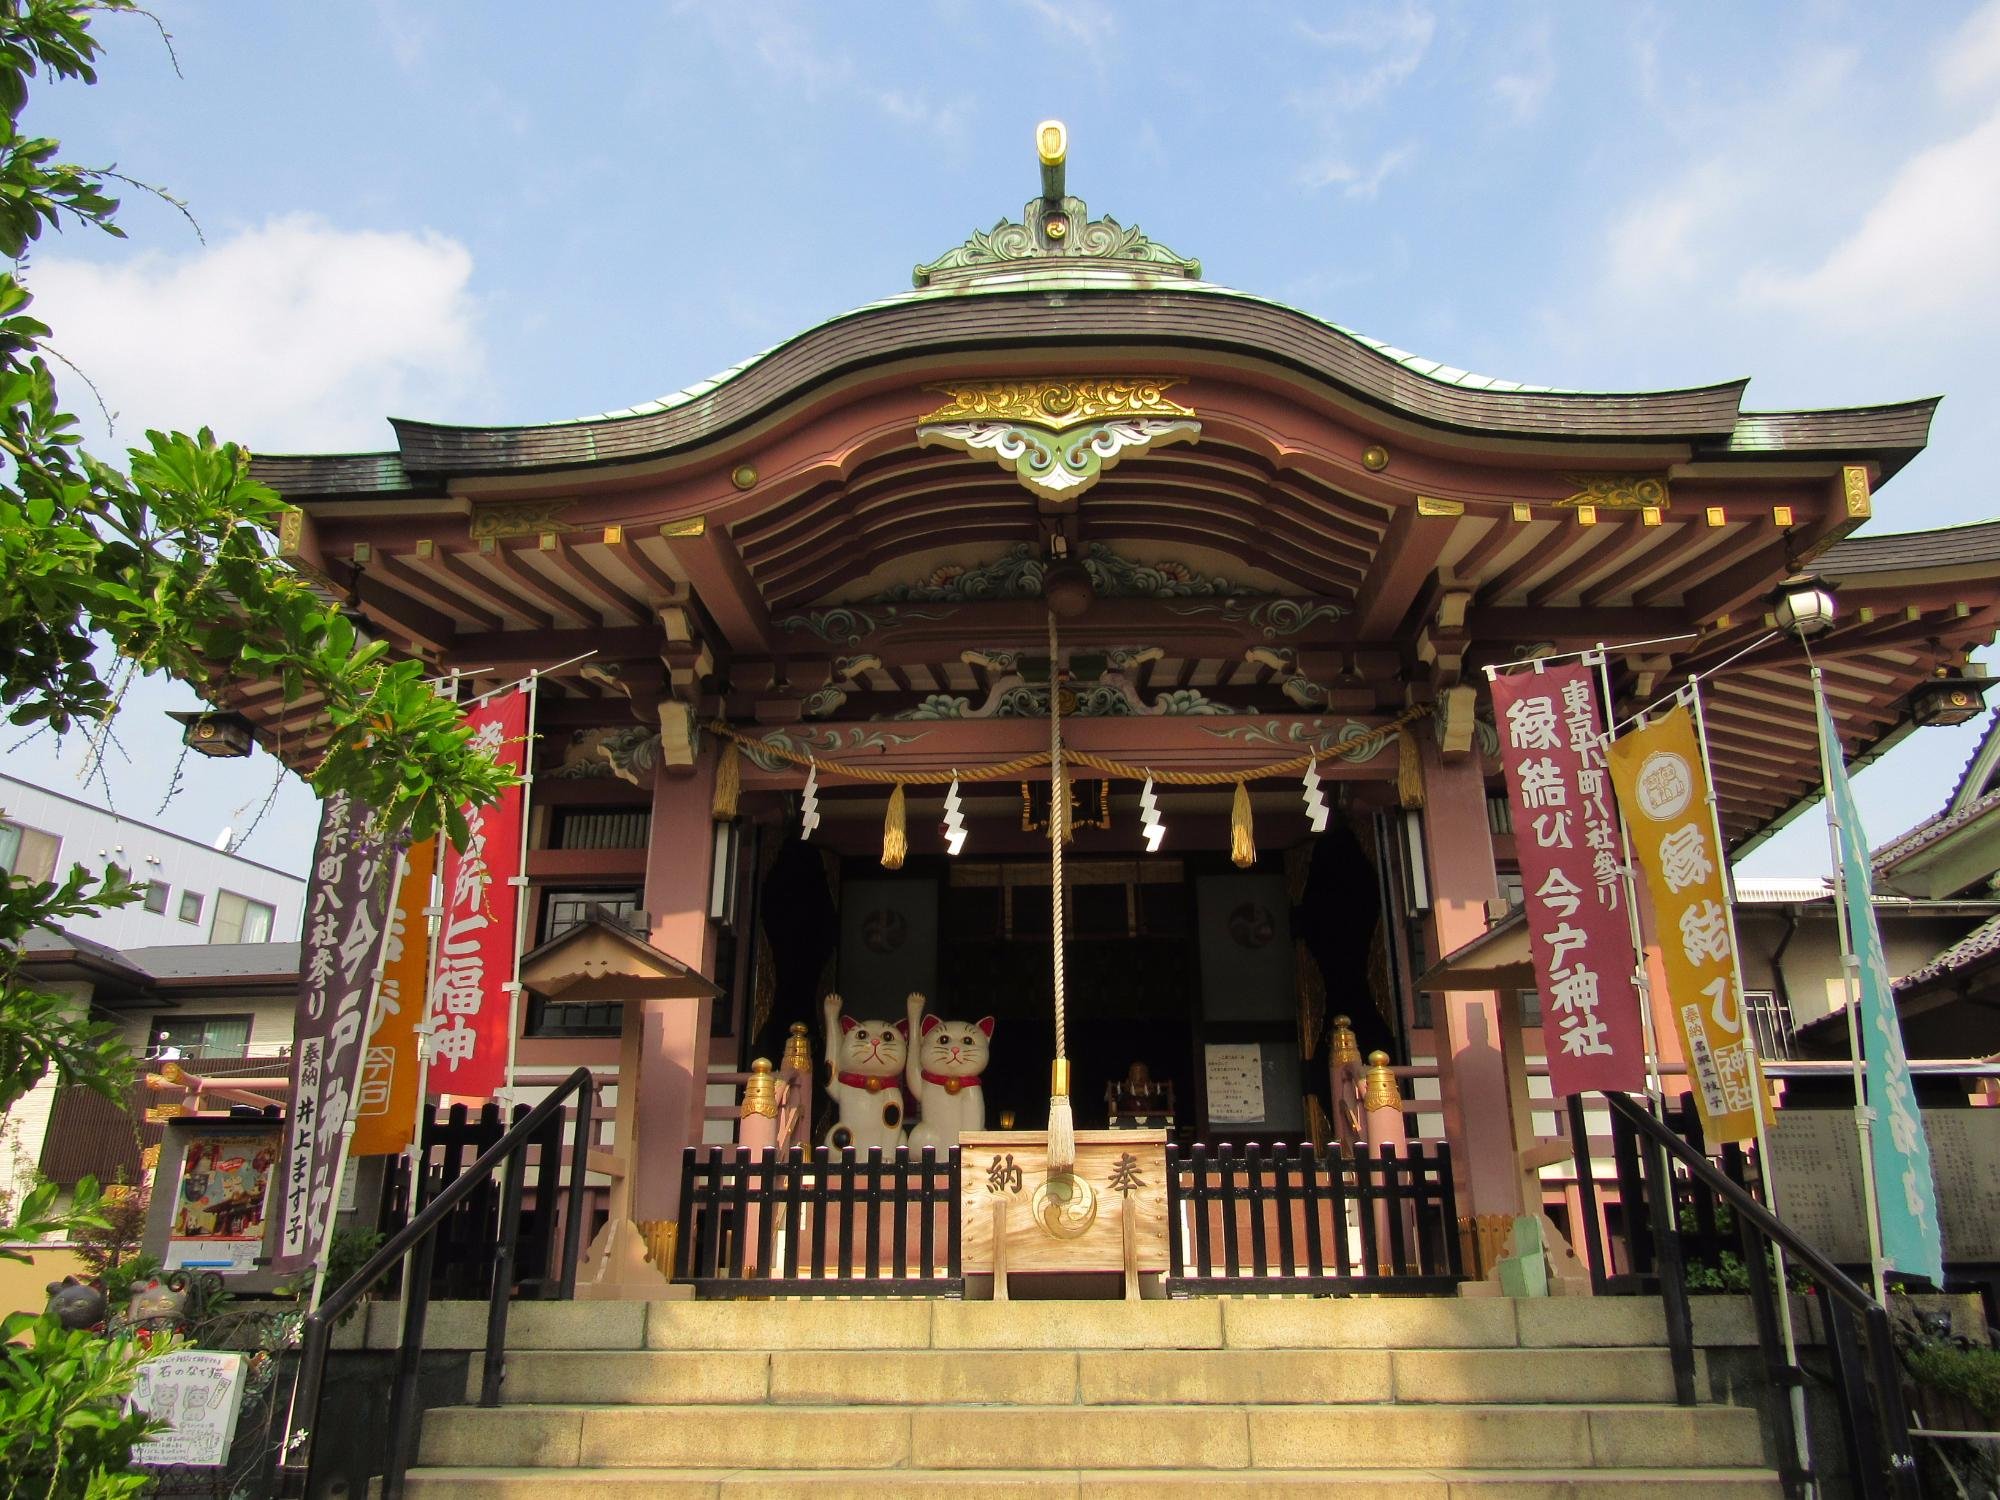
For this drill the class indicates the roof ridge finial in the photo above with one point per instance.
(1051, 227)
(1052, 146)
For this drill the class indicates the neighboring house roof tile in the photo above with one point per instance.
(1981, 943)
(1932, 829)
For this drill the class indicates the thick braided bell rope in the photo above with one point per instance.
(1058, 825)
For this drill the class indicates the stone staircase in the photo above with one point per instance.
(1394, 1399)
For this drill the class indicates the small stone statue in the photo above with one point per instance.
(77, 1304)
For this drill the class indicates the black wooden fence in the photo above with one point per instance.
(1622, 1261)
(820, 1224)
(462, 1266)
(1288, 1218)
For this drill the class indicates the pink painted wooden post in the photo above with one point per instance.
(756, 1133)
(1382, 1120)
(1479, 1104)
(674, 1046)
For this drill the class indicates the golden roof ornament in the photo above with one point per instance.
(1054, 226)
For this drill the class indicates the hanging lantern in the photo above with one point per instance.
(954, 818)
(809, 807)
(1315, 799)
(1150, 822)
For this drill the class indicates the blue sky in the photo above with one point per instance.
(495, 211)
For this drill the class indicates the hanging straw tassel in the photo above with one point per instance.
(1242, 835)
(1062, 1124)
(1409, 771)
(728, 783)
(895, 838)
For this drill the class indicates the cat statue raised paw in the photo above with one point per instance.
(867, 1059)
(946, 1060)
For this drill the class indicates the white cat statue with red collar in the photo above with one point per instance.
(944, 1068)
(866, 1059)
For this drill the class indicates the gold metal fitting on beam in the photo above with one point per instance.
(1346, 1049)
(1375, 458)
(743, 476)
(1523, 511)
(1380, 1091)
(798, 1049)
(760, 1094)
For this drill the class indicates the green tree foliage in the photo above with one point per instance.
(65, 1433)
(169, 562)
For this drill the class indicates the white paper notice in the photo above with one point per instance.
(1235, 1083)
(198, 1395)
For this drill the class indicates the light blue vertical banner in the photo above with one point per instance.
(1905, 1193)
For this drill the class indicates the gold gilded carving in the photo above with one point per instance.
(1854, 486)
(1058, 404)
(518, 518)
(1617, 491)
(692, 526)
(1430, 505)
(291, 531)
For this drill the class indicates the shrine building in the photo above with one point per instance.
(777, 615)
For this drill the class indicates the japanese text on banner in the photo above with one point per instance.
(1663, 787)
(385, 1105)
(1905, 1190)
(346, 911)
(1565, 840)
(472, 1003)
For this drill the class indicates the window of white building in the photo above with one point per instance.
(28, 852)
(238, 919)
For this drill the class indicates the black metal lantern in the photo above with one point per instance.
(219, 733)
(1950, 698)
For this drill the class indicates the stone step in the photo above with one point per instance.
(1063, 1484)
(1202, 1323)
(990, 1438)
(1114, 1377)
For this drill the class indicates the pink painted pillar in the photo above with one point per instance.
(673, 1066)
(1478, 1100)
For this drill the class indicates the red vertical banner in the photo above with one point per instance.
(472, 1002)
(1566, 842)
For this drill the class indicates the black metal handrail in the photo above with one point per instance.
(417, 1239)
(1875, 1424)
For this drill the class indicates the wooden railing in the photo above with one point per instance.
(819, 1223)
(1293, 1219)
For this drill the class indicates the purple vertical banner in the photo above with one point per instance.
(347, 909)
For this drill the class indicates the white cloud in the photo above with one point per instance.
(291, 336)
(1970, 65)
(1928, 249)
(1394, 39)
(1087, 23)
(786, 47)
(1524, 88)
(1358, 182)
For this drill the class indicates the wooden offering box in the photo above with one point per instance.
(1124, 1170)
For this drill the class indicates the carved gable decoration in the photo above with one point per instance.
(1054, 229)
(1617, 491)
(1059, 435)
(518, 518)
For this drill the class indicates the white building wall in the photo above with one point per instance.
(94, 838)
(24, 1129)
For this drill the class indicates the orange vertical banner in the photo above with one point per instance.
(1662, 784)
(385, 1107)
